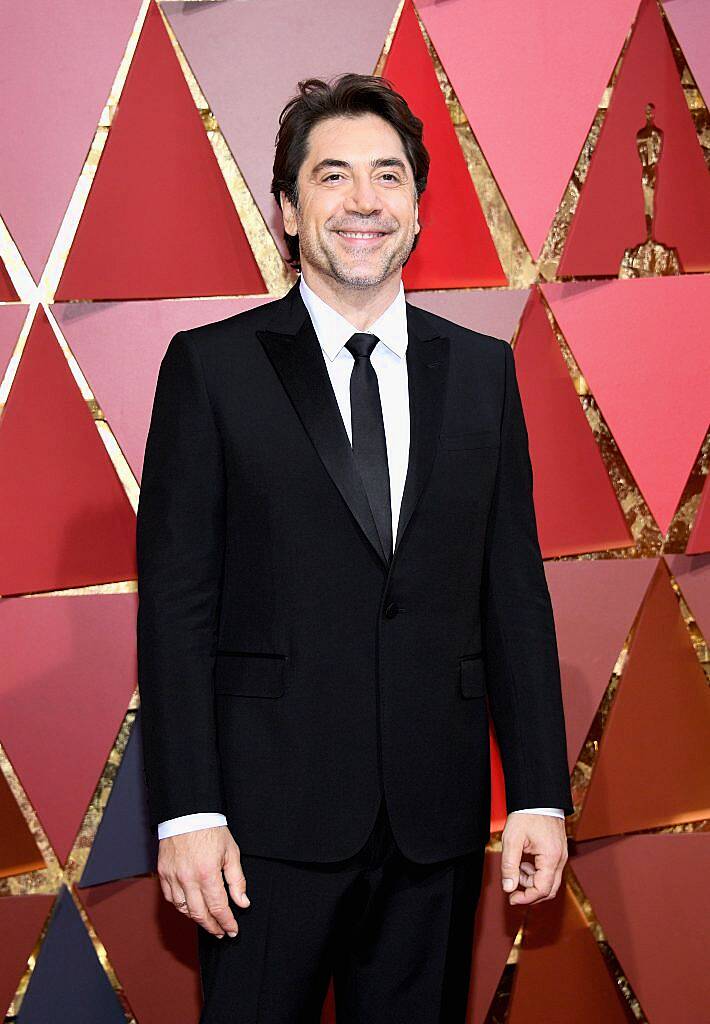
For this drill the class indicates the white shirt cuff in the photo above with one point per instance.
(553, 812)
(190, 823)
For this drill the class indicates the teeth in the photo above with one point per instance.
(360, 234)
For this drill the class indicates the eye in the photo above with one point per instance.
(387, 174)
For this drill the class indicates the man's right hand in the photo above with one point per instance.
(190, 869)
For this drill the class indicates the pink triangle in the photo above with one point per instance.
(651, 899)
(690, 21)
(119, 346)
(62, 700)
(595, 604)
(494, 311)
(642, 346)
(692, 574)
(59, 62)
(248, 58)
(575, 503)
(530, 77)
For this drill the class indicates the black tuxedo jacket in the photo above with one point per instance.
(286, 670)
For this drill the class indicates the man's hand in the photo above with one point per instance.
(543, 839)
(190, 869)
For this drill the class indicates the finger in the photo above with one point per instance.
(176, 896)
(165, 886)
(198, 909)
(526, 896)
(558, 874)
(558, 877)
(234, 876)
(543, 879)
(215, 898)
(552, 893)
(179, 901)
(555, 887)
(545, 871)
(527, 872)
(510, 860)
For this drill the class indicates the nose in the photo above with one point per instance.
(362, 195)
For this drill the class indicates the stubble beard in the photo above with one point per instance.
(367, 274)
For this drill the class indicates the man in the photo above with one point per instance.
(339, 577)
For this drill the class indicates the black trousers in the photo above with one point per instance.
(395, 935)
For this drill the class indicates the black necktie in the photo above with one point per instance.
(368, 433)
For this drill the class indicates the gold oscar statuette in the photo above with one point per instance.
(651, 258)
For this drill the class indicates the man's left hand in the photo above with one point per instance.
(542, 838)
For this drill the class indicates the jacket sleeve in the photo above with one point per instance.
(522, 665)
(179, 548)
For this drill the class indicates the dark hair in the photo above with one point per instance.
(348, 95)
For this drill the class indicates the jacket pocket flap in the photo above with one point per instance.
(473, 676)
(246, 674)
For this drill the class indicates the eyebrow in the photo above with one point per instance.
(382, 161)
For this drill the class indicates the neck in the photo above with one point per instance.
(360, 306)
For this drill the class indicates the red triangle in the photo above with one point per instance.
(7, 288)
(455, 248)
(499, 810)
(159, 221)
(12, 319)
(66, 520)
(646, 894)
(699, 540)
(610, 214)
(18, 851)
(561, 975)
(150, 945)
(496, 925)
(21, 921)
(575, 504)
(651, 769)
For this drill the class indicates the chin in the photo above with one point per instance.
(362, 280)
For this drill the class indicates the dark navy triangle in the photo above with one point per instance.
(124, 845)
(68, 982)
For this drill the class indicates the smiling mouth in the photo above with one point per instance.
(362, 236)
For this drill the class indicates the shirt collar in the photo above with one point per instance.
(333, 330)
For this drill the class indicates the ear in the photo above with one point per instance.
(289, 215)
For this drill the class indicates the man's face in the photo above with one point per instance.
(356, 177)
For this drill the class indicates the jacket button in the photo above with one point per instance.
(391, 610)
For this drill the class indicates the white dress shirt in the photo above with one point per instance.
(389, 361)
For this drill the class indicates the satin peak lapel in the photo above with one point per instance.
(292, 347)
